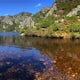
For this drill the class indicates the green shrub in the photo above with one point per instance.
(75, 28)
(55, 27)
(78, 13)
(37, 26)
(45, 22)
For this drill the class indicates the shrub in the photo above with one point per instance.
(78, 13)
(75, 28)
(37, 26)
(55, 27)
(46, 22)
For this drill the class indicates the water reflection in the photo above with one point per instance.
(24, 58)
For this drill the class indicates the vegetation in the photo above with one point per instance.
(66, 7)
(46, 22)
(75, 28)
(8, 27)
(78, 13)
(48, 27)
(55, 27)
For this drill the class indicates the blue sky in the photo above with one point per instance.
(11, 7)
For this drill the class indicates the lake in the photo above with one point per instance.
(28, 58)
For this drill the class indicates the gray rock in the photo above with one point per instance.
(8, 20)
(23, 19)
(74, 11)
(27, 22)
(52, 9)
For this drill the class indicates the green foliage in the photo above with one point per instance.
(46, 22)
(23, 30)
(37, 26)
(75, 28)
(78, 13)
(39, 16)
(8, 27)
(55, 27)
(72, 18)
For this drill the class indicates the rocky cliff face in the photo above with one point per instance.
(74, 11)
(52, 9)
(8, 20)
(24, 19)
(21, 20)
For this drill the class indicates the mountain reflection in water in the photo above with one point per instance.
(24, 58)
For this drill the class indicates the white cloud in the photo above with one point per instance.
(38, 5)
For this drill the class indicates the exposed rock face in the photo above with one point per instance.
(25, 19)
(45, 10)
(21, 16)
(27, 22)
(52, 9)
(74, 11)
(42, 13)
(22, 19)
(8, 20)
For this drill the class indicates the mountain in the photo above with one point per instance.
(19, 20)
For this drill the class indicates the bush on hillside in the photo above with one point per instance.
(55, 27)
(75, 28)
(46, 22)
(78, 13)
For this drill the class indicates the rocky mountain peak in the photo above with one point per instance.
(8, 20)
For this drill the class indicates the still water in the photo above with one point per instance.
(27, 58)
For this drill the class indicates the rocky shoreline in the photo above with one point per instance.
(51, 37)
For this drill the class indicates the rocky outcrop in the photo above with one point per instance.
(28, 22)
(22, 19)
(74, 11)
(45, 10)
(52, 9)
(21, 16)
(8, 20)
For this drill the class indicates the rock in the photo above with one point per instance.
(22, 34)
(74, 11)
(8, 20)
(52, 9)
(20, 20)
(27, 22)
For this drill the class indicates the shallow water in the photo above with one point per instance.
(25, 58)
